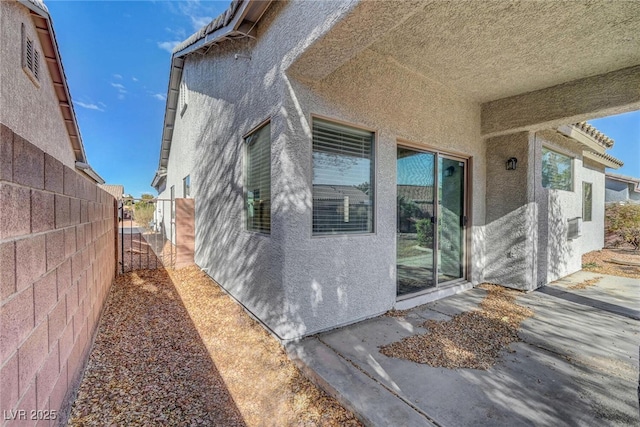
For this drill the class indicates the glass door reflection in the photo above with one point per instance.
(415, 221)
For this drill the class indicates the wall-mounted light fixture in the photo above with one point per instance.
(512, 163)
(449, 171)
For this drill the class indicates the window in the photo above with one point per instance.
(30, 57)
(173, 203)
(257, 183)
(587, 201)
(557, 170)
(343, 184)
(183, 95)
(186, 186)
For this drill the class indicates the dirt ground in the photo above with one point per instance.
(602, 262)
(174, 349)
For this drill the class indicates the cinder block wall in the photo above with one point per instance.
(57, 262)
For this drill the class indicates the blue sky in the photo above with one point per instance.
(116, 57)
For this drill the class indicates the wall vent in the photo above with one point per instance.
(30, 58)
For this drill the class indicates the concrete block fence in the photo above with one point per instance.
(57, 263)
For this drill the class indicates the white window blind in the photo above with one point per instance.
(258, 180)
(342, 179)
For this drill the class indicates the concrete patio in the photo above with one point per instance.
(576, 363)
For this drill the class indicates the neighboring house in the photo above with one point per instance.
(620, 188)
(345, 116)
(117, 191)
(57, 228)
(39, 107)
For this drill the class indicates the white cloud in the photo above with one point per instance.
(135, 79)
(89, 106)
(117, 76)
(200, 21)
(168, 46)
(159, 96)
(120, 97)
(121, 89)
(199, 12)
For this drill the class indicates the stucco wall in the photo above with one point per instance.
(31, 111)
(511, 213)
(558, 255)
(299, 284)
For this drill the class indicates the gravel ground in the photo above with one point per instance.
(599, 262)
(174, 349)
(473, 339)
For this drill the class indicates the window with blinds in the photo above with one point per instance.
(587, 201)
(343, 172)
(557, 170)
(257, 183)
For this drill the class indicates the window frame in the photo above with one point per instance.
(572, 186)
(584, 216)
(186, 186)
(245, 176)
(374, 175)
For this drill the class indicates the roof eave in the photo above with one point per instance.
(47, 37)
(88, 170)
(236, 27)
(582, 137)
(603, 159)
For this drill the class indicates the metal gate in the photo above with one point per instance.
(146, 234)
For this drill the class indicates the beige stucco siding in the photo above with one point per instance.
(30, 111)
(346, 278)
(560, 256)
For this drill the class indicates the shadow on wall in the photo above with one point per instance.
(510, 248)
(555, 249)
(248, 265)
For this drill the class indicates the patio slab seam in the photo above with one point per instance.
(402, 398)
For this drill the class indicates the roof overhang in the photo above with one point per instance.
(626, 179)
(582, 137)
(603, 159)
(529, 65)
(238, 21)
(88, 171)
(46, 35)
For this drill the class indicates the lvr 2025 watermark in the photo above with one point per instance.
(22, 414)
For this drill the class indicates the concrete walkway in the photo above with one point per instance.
(577, 364)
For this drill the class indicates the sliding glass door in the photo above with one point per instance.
(430, 220)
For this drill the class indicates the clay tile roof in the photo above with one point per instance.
(609, 158)
(598, 136)
(115, 190)
(212, 26)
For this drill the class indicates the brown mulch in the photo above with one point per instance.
(135, 253)
(586, 283)
(174, 349)
(601, 262)
(473, 339)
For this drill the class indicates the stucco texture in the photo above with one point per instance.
(295, 283)
(298, 284)
(34, 111)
